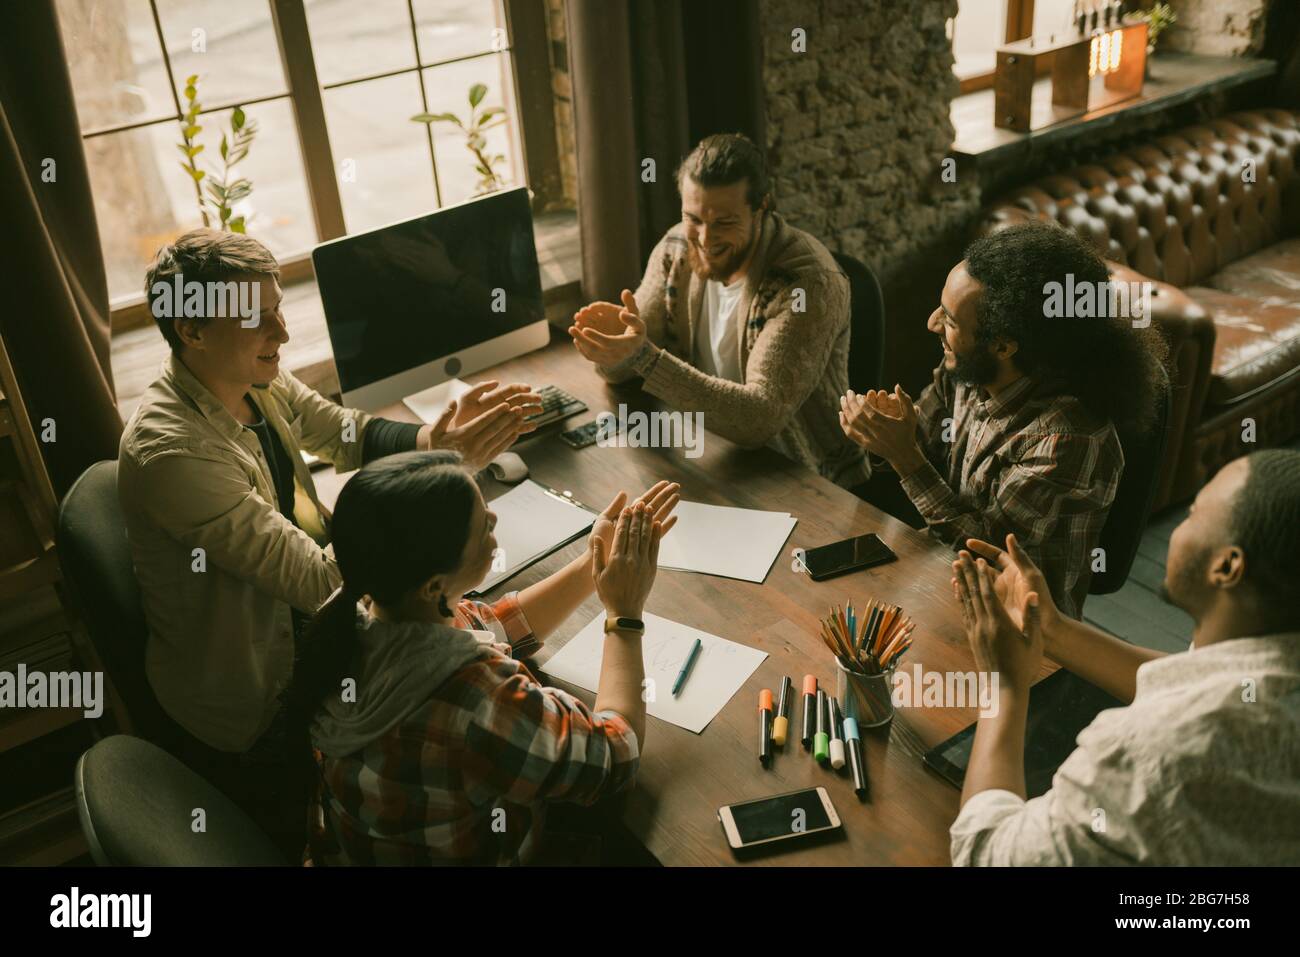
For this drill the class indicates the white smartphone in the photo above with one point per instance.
(782, 817)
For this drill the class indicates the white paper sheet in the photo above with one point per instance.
(531, 523)
(718, 673)
(728, 542)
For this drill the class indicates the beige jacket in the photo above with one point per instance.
(190, 477)
(794, 360)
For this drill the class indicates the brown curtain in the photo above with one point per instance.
(650, 79)
(55, 314)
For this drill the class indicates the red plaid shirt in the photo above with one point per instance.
(1030, 460)
(462, 779)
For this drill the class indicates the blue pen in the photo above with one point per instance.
(852, 622)
(686, 668)
(853, 744)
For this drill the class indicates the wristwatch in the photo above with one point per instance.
(625, 624)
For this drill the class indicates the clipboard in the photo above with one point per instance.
(533, 521)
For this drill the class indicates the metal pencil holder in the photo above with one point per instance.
(867, 699)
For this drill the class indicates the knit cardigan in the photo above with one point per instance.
(794, 349)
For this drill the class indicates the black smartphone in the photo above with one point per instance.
(589, 434)
(827, 561)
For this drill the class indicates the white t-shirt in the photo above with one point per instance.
(717, 350)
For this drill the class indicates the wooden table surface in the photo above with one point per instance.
(685, 777)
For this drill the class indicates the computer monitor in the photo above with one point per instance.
(411, 305)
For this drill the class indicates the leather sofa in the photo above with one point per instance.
(1211, 214)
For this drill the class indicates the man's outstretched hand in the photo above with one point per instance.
(607, 333)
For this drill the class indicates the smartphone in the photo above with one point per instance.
(827, 561)
(587, 435)
(795, 815)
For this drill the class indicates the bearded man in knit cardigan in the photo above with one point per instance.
(739, 316)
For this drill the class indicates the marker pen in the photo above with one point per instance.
(809, 702)
(821, 740)
(837, 742)
(781, 726)
(765, 726)
(854, 743)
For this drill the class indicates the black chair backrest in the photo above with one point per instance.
(136, 804)
(867, 325)
(96, 560)
(1127, 520)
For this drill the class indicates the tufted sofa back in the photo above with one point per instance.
(1177, 208)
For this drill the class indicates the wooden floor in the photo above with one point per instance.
(1136, 612)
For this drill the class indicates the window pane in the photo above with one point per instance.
(115, 61)
(447, 88)
(347, 45)
(1053, 17)
(237, 58)
(455, 28)
(382, 158)
(144, 199)
(980, 28)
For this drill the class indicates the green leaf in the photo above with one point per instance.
(191, 131)
(198, 174)
(437, 118)
(192, 79)
(237, 119)
(225, 213)
(476, 94)
(490, 112)
(236, 225)
(190, 92)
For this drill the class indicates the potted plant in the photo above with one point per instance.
(478, 123)
(225, 189)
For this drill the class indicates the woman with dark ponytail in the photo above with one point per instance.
(435, 743)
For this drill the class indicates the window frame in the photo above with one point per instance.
(1019, 24)
(527, 44)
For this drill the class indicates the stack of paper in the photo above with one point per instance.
(531, 523)
(728, 542)
(718, 673)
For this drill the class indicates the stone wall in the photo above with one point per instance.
(1217, 27)
(857, 134)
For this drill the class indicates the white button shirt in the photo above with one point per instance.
(1202, 768)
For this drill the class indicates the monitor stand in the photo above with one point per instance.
(430, 403)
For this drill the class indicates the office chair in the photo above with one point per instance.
(866, 324)
(96, 559)
(1127, 520)
(136, 805)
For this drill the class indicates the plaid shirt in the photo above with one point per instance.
(1030, 460)
(462, 779)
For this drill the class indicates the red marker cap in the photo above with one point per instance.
(810, 684)
(765, 699)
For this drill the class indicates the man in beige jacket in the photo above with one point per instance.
(228, 537)
(739, 316)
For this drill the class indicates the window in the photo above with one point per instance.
(332, 86)
(981, 26)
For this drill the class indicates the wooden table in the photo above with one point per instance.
(685, 777)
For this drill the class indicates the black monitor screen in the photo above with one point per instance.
(398, 297)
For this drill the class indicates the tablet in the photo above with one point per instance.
(1060, 706)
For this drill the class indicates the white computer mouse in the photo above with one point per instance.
(508, 467)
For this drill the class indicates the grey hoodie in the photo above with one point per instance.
(399, 666)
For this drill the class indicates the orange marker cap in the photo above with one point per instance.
(765, 699)
(810, 684)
